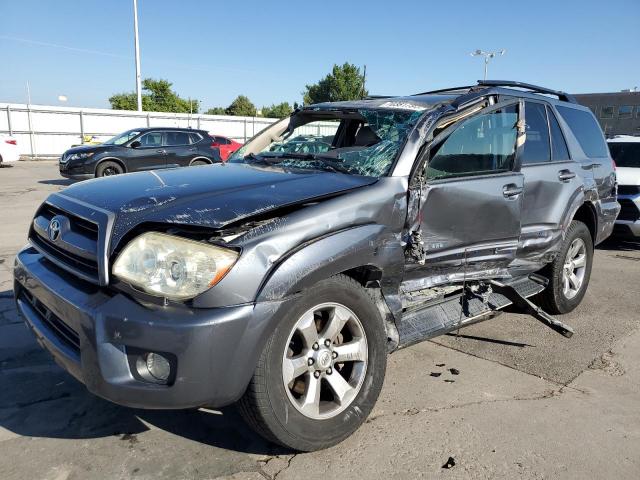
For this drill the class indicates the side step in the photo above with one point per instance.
(466, 308)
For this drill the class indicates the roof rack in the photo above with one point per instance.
(443, 90)
(565, 97)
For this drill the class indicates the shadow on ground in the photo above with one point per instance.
(623, 244)
(39, 399)
(62, 182)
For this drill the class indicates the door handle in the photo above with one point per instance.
(566, 175)
(161, 151)
(511, 190)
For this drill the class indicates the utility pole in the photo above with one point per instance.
(137, 48)
(30, 123)
(364, 81)
(487, 56)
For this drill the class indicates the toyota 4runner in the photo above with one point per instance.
(282, 279)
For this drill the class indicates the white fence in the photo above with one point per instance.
(48, 130)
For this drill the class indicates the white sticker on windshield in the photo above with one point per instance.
(403, 106)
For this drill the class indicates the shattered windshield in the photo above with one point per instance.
(363, 142)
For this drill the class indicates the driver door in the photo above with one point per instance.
(149, 155)
(470, 199)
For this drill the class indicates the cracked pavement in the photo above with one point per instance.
(525, 401)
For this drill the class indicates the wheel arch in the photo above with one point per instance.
(362, 253)
(109, 159)
(586, 213)
(208, 160)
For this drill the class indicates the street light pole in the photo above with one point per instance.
(137, 48)
(487, 56)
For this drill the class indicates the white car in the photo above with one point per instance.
(8, 149)
(625, 151)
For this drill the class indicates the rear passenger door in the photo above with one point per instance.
(178, 148)
(551, 179)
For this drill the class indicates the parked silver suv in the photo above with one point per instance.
(283, 278)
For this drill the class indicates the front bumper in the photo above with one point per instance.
(628, 221)
(96, 334)
(75, 171)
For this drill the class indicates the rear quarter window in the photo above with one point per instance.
(586, 130)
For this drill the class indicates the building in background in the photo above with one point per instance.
(617, 112)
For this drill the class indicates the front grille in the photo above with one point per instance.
(628, 189)
(75, 250)
(55, 324)
(628, 211)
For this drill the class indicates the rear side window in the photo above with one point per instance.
(195, 137)
(625, 154)
(481, 145)
(222, 141)
(176, 138)
(586, 130)
(559, 150)
(536, 145)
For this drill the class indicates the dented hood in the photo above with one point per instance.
(208, 196)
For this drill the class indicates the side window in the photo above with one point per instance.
(586, 129)
(176, 138)
(536, 144)
(559, 150)
(151, 139)
(606, 112)
(481, 145)
(195, 137)
(223, 141)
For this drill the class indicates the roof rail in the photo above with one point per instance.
(565, 97)
(443, 90)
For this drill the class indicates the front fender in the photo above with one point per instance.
(358, 246)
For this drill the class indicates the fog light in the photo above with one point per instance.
(158, 366)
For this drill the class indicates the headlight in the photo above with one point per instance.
(172, 267)
(79, 156)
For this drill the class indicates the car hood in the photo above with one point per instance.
(628, 176)
(208, 196)
(86, 148)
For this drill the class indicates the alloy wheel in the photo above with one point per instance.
(574, 270)
(325, 361)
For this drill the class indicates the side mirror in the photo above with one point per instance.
(135, 144)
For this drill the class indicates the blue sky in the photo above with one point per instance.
(215, 50)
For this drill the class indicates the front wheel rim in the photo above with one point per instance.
(325, 361)
(574, 269)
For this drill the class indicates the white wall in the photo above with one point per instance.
(54, 129)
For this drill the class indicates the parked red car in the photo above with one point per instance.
(225, 145)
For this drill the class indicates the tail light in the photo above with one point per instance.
(214, 145)
(615, 167)
(11, 142)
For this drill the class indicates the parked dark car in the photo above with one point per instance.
(281, 280)
(140, 149)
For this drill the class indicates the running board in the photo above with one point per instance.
(472, 306)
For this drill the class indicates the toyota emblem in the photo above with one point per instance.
(54, 229)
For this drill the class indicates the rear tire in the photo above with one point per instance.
(199, 162)
(108, 168)
(297, 361)
(570, 272)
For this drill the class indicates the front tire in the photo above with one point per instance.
(570, 272)
(322, 369)
(108, 168)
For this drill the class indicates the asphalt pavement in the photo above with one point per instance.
(503, 399)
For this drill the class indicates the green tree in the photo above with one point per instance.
(216, 111)
(157, 96)
(343, 83)
(280, 110)
(241, 107)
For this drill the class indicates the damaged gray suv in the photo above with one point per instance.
(281, 280)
